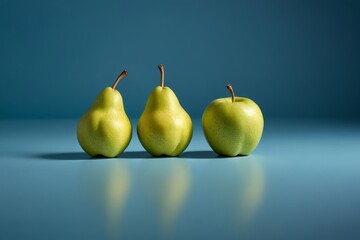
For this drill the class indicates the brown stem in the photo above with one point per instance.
(162, 71)
(232, 92)
(123, 74)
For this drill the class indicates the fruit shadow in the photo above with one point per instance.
(129, 155)
(206, 155)
(84, 156)
(199, 155)
(184, 155)
(64, 156)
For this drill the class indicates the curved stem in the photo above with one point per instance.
(162, 72)
(232, 92)
(122, 75)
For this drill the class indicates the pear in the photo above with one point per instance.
(164, 128)
(105, 129)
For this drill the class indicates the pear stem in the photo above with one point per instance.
(122, 75)
(232, 92)
(162, 72)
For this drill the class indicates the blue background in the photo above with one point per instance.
(294, 58)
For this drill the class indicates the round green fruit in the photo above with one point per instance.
(233, 126)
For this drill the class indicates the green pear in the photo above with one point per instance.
(233, 126)
(164, 128)
(105, 129)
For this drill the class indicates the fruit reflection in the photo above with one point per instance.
(233, 189)
(166, 183)
(251, 196)
(108, 184)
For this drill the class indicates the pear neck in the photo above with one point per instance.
(109, 99)
(164, 99)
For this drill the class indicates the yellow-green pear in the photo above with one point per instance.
(233, 126)
(105, 129)
(164, 128)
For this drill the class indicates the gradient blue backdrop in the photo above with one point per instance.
(294, 58)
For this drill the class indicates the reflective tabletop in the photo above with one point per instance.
(302, 182)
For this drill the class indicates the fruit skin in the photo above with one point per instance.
(164, 128)
(105, 129)
(233, 128)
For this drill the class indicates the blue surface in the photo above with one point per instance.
(302, 182)
(295, 58)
